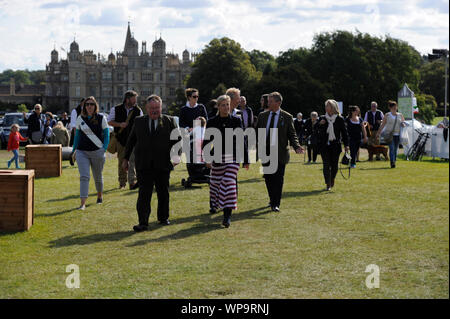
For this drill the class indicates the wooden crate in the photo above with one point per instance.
(46, 160)
(16, 199)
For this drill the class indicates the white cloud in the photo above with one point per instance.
(29, 29)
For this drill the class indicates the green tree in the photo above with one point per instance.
(261, 60)
(22, 108)
(20, 77)
(427, 107)
(432, 81)
(359, 68)
(222, 61)
(180, 100)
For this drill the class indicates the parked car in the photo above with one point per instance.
(8, 120)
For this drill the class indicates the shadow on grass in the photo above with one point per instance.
(374, 168)
(78, 196)
(73, 209)
(301, 194)
(204, 227)
(73, 240)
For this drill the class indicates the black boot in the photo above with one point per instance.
(226, 217)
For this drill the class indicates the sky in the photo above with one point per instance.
(30, 29)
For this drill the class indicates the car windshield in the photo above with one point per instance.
(13, 119)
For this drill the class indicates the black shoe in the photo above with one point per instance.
(139, 228)
(392, 165)
(134, 186)
(164, 222)
(275, 209)
(99, 200)
(71, 159)
(226, 222)
(212, 210)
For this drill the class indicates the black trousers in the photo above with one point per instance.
(354, 148)
(312, 148)
(147, 179)
(274, 185)
(330, 157)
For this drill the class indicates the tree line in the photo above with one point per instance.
(354, 68)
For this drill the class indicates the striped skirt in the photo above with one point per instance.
(222, 185)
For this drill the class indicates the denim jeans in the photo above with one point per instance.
(15, 158)
(90, 160)
(393, 148)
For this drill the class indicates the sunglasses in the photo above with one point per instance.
(89, 104)
(195, 96)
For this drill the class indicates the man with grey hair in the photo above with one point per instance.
(235, 99)
(150, 139)
(374, 117)
(284, 134)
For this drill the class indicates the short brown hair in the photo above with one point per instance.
(276, 96)
(129, 94)
(189, 91)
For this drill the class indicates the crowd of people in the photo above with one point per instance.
(144, 143)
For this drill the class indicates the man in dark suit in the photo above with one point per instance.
(284, 133)
(247, 113)
(150, 138)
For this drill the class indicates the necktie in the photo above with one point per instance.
(272, 122)
(152, 132)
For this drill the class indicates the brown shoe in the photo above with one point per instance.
(121, 186)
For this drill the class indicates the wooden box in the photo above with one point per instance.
(46, 160)
(16, 199)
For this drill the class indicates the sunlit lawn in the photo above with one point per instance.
(318, 246)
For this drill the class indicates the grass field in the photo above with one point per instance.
(318, 246)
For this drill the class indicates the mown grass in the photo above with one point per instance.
(318, 246)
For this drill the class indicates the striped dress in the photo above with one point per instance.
(223, 184)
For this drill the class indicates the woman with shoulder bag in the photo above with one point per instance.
(390, 130)
(332, 133)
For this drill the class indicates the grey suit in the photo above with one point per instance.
(286, 136)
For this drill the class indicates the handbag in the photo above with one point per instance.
(345, 161)
(112, 146)
(386, 138)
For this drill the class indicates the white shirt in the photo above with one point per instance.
(192, 107)
(275, 124)
(73, 119)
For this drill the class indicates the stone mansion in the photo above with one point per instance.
(84, 74)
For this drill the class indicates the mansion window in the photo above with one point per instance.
(106, 76)
(120, 76)
(106, 91)
(77, 91)
(92, 76)
(172, 77)
(147, 76)
(119, 91)
(172, 92)
(92, 91)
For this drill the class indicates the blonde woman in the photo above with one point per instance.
(223, 182)
(332, 133)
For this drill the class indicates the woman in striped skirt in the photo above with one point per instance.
(223, 181)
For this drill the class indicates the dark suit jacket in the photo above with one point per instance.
(340, 131)
(151, 152)
(286, 133)
(249, 111)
